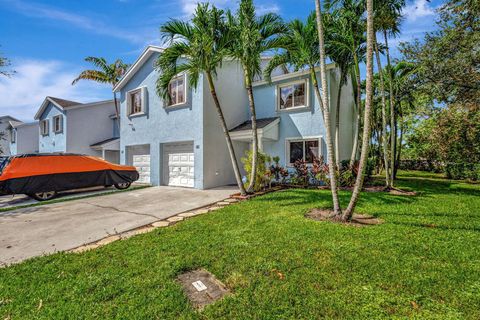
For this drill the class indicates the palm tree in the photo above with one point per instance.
(105, 73)
(299, 46)
(348, 213)
(350, 38)
(339, 49)
(326, 109)
(388, 17)
(195, 48)
(252, 35)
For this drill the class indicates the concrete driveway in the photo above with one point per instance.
(34, 231)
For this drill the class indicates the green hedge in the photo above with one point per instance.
(470, 171)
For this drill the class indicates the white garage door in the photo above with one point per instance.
(142, 163)
(179, 165)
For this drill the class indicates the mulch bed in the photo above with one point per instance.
(359, 220)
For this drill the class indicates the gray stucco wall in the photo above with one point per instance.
(27, 139)
(87, 125)
(233, 98)
(5, 140)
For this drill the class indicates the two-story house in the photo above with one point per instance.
(181, 142)
(73, 127)
(6, 123)
(24, 138)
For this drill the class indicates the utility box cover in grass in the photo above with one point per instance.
(202, 288)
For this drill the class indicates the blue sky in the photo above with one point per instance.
(47, 41)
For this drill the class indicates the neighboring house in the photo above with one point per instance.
(182, 144)
(24, 138)
(74, 127)
(6, 123)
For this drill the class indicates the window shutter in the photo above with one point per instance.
(47, 125)
(129, 104)
(143, 94)
(60, 124)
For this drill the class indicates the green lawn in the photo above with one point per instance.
(423, 263)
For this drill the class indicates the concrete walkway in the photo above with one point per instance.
(34, 231)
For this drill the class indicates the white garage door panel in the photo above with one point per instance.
(180, 163)
(142, 163)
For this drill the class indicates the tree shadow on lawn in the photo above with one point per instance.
(442, 227)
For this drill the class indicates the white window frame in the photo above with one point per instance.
(45, 127)
(13, 136)
(278, 88)
(185, 90)
(301, 139)
(60, 124)
(143, 97)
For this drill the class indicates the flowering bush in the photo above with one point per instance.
(278, 172)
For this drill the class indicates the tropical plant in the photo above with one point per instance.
(196, 48)
(260, 171)
(109, 73)
(346, 39)
(301, 173)
(326, 109)
(251, 36)
(348, 213)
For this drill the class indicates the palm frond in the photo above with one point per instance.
(94, 75)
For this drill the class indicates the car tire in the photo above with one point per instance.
(43, 196)
(123, 185)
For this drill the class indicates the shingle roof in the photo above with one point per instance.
(261, 123)
(103, 142)
(64, 103)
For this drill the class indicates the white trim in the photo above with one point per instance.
(143, 96)
(185, 91)
(60, 123)
(306, 105)
(90, 104)
(303, 139)
(291, 75)
(44, 106)
(136, 66)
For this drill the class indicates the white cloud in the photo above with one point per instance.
(418, 9)
(23, 93)
(82, 22)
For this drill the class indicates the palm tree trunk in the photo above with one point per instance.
(384, 114)
(337, 126)
(359, 108)
(392, 111)
(347, 215)
(399, 148)
(326, 112)
(233, 157)
(313, 75)
(251, 104)
(117, 113)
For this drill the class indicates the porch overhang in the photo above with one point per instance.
(267, 130)
(112, 144)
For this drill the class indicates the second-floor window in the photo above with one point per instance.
(292, 95)
(57, 124)
(136, 101)
(177, 90)
(44, 127)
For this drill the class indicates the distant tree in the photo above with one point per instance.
(105, 73)
(448, 60)
(4, 62)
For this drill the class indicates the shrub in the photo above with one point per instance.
(470, 171)
(278, 172)
(301, 173)
(261, 178)
(319, 172)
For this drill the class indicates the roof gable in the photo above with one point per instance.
(146, 54)
(59, 103)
